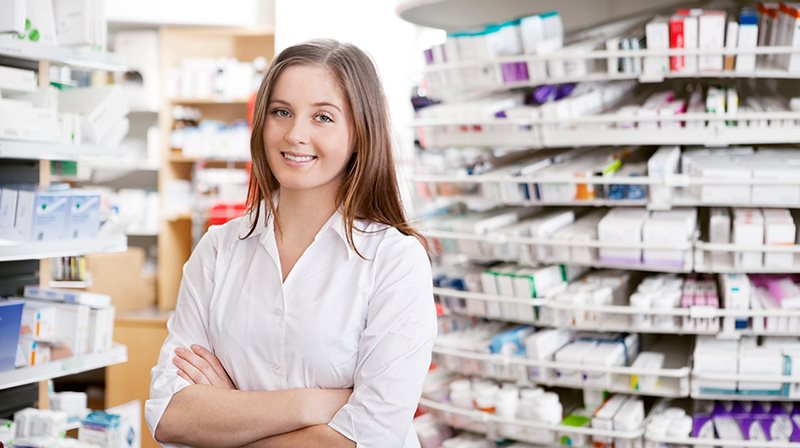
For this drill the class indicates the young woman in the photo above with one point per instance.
(310, 321)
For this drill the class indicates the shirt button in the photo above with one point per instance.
(277, 312)
(275, 366)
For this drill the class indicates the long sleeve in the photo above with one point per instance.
(187, 326)
(394, 350)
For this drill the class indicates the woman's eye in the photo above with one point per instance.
(325, 118)
(282, 113)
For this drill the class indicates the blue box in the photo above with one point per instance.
(10, 319)
(84, 216)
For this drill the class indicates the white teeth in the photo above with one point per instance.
(298, 158)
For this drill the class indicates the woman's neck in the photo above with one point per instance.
(302, 213)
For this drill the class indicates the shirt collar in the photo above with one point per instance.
(265, 227)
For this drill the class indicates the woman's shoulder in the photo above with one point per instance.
(385, 241)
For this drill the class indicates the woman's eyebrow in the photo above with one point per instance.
(319, 104)
(325, 103)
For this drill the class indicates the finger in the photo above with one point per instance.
(200, 364)
(213, 361)
(183, 375)
(195, 374)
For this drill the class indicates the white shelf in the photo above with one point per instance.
(479, 416)
(37, 250)
(63, 367)
(19, 149)
(67, 284)
(489, 297)
(609, 129)
(495, 239)
(671, 379)
(607, 324)
(74, 57)
(445, 80)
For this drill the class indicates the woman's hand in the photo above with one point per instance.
(200, 366)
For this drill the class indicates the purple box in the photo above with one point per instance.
(703, 426)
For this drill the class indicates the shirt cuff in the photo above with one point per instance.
(154, 408)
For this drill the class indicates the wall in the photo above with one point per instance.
(252, 13)
(374, 27)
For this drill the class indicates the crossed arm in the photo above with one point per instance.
(229, 417)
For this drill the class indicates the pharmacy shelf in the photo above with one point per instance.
(695, 442)
(479, 416)
(671, 379)
(37, 250)
(74, 57)
(496, 239)
(789, 382)
(68, 366)
(17, 149)
(611, 129)
(488, 297)
(444, 78)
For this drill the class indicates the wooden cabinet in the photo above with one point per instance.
(143, 333)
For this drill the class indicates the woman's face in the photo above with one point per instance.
(308, 131)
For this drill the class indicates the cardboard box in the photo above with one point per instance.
(120, 276)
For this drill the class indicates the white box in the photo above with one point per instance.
(711, 35)
(541, 346)
(719, 232)
(605, 355)
(657, 35)
(690, 31)
(748, 38)
(543, 226)
(8, 212)
(649, 361)
(661, 166)
(102, 108)
(40, 16)
(622, 225)
(748, 229)
(603, 418)
(673, 227)
(41, 215)
(74, 20)
(17, 79)
(101, 329)
(784, 195)
(722, 193)
(12, 16)
(712, 355)
(39, 321)
(760, 362)
(779, 230)
(573, 353)
(71, 329)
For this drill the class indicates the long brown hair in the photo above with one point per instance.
(369, 188)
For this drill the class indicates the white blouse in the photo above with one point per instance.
(338, 321)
